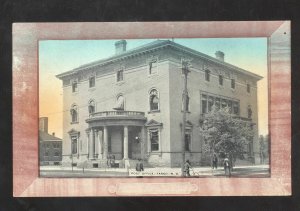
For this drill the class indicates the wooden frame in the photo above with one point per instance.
(26, 181)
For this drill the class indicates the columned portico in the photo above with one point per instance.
(118, 133)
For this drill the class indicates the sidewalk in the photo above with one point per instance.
(163, 171)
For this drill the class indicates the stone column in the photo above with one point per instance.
(105, 140)
(96, 142)
(143, 142)
(125, 142)
(91, 151)
(88, 142)
(100, 153)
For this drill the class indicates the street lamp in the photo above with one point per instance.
(185, 64)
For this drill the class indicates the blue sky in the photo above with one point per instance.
(57, 56)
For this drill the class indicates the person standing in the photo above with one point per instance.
(186, 168)
(139, 165)
(227, 167)
(215, 161)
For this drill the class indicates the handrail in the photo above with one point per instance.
(117, 113)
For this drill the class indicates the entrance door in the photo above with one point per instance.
(134, 145)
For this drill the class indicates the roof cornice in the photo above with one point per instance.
(151, 48)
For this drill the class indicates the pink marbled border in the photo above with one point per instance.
(25, 110)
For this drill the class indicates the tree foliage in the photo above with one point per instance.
(225, 133)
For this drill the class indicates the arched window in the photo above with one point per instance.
(91, 107)
(74, 113)
(120, 103)
(154, 100)
(207, 75)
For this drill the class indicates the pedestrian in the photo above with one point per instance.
(139, 165)
(227, 167)
(186, 168)
(215, 161)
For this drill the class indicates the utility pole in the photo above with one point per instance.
(185, 70)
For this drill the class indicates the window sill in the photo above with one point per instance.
(186, 112)
(154, 111)
(92, 88)
(74, 123)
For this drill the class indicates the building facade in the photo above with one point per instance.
(130, 105)
(50, 147)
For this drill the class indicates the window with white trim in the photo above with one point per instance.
(92, 107)
(120, 75)
(154, 100)
(74, 113)
(74, 86)
(74, 140)
(154, 139)
(92, 81)
(207, 75)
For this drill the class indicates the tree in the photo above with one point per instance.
(225, 133)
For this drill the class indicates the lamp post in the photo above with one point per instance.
(185, 64)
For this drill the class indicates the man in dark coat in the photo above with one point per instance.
(186, 168)
(139, 165)
(214, 161)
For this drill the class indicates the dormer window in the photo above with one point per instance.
(92, 82)
(120, 75)
(74, 86)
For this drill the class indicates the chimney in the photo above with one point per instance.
(43, 124)
(120, 46)
(220, 55)
(53, 134)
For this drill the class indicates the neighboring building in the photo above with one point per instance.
(130, 105)
(50, 147)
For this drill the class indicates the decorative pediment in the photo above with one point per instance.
(153, 123)
(73, 132)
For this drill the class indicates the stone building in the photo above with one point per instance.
(130, 105)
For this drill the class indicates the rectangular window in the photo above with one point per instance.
(154, 139)
(120, 75)
(207, 75)
(248, 88)
(236, 109)
(232, 83)
(92, 82)
(210, 103)
(74, 145)
(74, 86)
(187, 141)
(220, 80)
(224, 103)
(204, 104)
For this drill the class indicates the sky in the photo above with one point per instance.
(58, 56)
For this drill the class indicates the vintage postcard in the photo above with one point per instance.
(169, 108)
